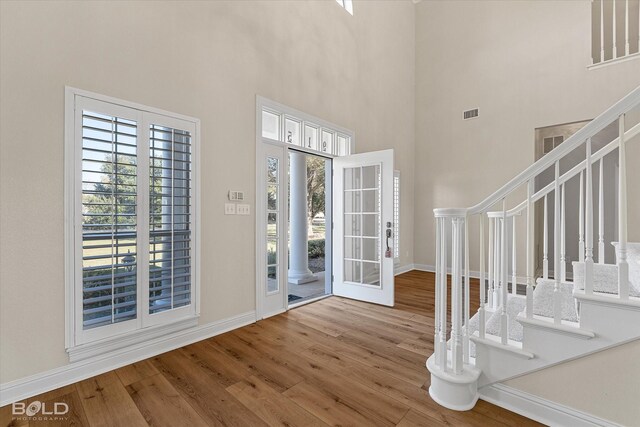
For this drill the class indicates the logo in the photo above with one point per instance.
(40, 410)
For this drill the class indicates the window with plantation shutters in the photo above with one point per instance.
(131, 235)
(169, 219)
(109, 237)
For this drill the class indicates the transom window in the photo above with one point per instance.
(131, 203)
(311, 136)
(347, 4)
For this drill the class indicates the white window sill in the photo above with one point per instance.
(614, 61)
(130, 340)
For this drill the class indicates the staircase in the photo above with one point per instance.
(561, 311)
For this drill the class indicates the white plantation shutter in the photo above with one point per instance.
(170, 218)
(133, 215)
(396, 216)
(109, 240)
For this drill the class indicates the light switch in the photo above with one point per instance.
(229, 208)
(244, 209)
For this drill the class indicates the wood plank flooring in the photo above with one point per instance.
(333, 362)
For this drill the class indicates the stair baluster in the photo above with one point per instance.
(514, 286)
(601, 212)
(481, 311)
(439, 286)
(563, 237)
(456, 297)
(623, 266)
(465, 332)
(557, 313)
(588, 254)
(545, 244)
(443, 299)
(504, 318)
(491, 264)
(581, 219)
(530, 248)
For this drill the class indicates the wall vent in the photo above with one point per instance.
(470, 114)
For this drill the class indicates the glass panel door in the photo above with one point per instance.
(363, 205)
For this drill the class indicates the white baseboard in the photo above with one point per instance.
(49, 380)
(539, 409)
(521, 280)
(403, 269)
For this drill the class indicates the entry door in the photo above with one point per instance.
(363, 227)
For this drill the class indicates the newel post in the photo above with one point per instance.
(453, 378)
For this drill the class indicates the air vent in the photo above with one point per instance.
(470, 114)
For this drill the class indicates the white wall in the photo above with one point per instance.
(524, 64)
(604, 384)
(204, 59)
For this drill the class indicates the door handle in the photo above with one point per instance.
(389, 233)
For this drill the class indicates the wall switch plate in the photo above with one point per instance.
(229, 208)
(244, 209)
(236, 196)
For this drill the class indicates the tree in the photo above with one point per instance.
(315, 187)
(114, 195)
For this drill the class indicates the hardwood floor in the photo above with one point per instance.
(333, 362)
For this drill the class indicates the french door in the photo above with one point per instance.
(363, 227)
(361, 244)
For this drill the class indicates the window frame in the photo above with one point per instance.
(81, 343)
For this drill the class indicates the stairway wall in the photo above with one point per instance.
(604, 384)
(524, 65)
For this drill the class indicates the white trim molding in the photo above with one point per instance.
(539, 409)
(403, 269)
(58, 377)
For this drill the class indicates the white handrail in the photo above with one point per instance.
(576, 170)
(574, 141)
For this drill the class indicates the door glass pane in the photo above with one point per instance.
(272, 225)
(352, 178)
(352, 201)
(352, 224)
(362, 225)
(270, 125)
(272, 197)
(272, 252)
(272, 170)
(272, 279)
(273, 186)
(352, 271)
(370, 201)
(352, 248)
(370, 176)
(371, 225)
(370, 249)
(371, 273)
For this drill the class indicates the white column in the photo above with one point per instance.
(299, 258)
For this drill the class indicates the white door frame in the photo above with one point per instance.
(263, 146)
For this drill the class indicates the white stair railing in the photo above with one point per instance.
(452, 368)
